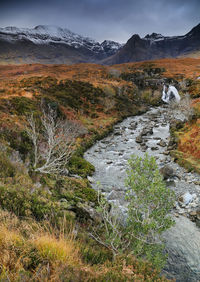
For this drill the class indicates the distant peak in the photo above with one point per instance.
(154, 36)
(135, 37)
(195, 30)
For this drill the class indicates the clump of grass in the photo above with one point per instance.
(60, 250)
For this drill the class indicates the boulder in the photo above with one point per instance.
(139, 139)
(186, 198)
(147, 130)
(167, 172)
(162, 143)
(87, 212)
(90, 179)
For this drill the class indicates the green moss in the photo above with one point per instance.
(78, 165)
(75, 190)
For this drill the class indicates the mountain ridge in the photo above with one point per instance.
(55, 45)
(51, 44)
(156, 46)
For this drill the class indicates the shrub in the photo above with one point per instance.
(78, 165)
(22, 202)
(149, 205)
(75, 190)
(7, 169)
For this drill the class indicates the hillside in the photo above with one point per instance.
(45, 218)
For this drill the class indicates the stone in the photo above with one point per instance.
(75, 176)
(85, 211)
(162, 143)
(167, 172)
(90, 179)
(154, 148)
(146, 131)
(139, 139)
(186, 198)
(193, 213)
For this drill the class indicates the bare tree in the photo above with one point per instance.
(54, 144)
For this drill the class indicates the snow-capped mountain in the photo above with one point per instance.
(56, 45)
(48, 36)
(157, 46)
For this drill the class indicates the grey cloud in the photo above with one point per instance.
(105, 19)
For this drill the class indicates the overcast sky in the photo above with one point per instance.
(104, 19)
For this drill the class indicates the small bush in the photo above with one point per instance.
(22, 202)
(75, 190)
(7, 169)
(78, 165)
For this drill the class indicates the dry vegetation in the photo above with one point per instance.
(32, 251)
(34, 245)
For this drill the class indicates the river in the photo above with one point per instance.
(150, 133)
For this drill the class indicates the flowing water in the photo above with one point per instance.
(137, 135)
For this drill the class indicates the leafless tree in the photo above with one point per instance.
(53, 143)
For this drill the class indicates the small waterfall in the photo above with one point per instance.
(170, 95)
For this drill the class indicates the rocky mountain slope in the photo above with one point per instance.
(55, 45)
(51, 44)
(156, 46)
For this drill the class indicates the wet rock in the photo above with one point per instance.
(133, 126)
(144, 146)
(117, 133)
(139, 139)
(193, 213)
(109, 162)
(90, 179)
(186, 198)
(146, 131)
(154, 148)
(162, 143)
(167, 172)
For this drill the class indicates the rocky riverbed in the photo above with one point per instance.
(150, 133)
